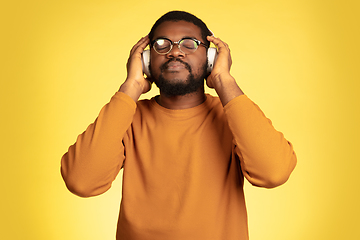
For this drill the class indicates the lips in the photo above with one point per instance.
(175, 65)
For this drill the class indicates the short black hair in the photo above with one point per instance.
(175, 16)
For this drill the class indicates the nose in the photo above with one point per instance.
(175, 52)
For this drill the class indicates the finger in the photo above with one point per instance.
(139, 42)
(140, 45)
(218, 42)
(227, 46)
(223, 47)
(136, 46)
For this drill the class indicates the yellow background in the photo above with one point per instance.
(61, 61)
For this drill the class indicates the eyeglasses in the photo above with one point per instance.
(186, 45)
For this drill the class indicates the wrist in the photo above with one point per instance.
(223, 80)
(132, 88)
(226, 87)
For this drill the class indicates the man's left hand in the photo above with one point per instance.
(223, 62)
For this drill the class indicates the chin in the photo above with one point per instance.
(179, 87)
(180, 83)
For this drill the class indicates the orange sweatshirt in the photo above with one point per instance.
(183, 169)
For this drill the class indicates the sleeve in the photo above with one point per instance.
(92, 163)
(266, 157)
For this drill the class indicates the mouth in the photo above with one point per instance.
(175, 65)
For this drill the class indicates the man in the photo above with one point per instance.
(184, 153)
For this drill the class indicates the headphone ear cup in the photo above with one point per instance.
(145, 58)
(211, 56)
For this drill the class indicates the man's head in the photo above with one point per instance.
(177, 73)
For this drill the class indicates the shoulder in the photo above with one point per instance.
(145, 106)
(213, 102)
(144, 103)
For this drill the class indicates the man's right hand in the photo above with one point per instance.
(135, 83)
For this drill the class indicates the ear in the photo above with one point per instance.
(145, 58)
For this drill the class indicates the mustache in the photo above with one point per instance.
(166, 64)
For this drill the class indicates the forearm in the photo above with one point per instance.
(226, 88)
(92, 163)
(267, 158)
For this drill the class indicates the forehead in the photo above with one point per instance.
(177, 30)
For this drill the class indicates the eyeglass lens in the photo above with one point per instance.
(163, 46)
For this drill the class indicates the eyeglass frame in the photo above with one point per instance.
(198, 42)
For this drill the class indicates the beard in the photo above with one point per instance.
(176, 87)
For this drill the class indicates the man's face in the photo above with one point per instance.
(176, 73)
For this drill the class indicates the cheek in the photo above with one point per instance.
(155, 66)
(198, 66)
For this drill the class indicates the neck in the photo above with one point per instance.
(182, 102)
